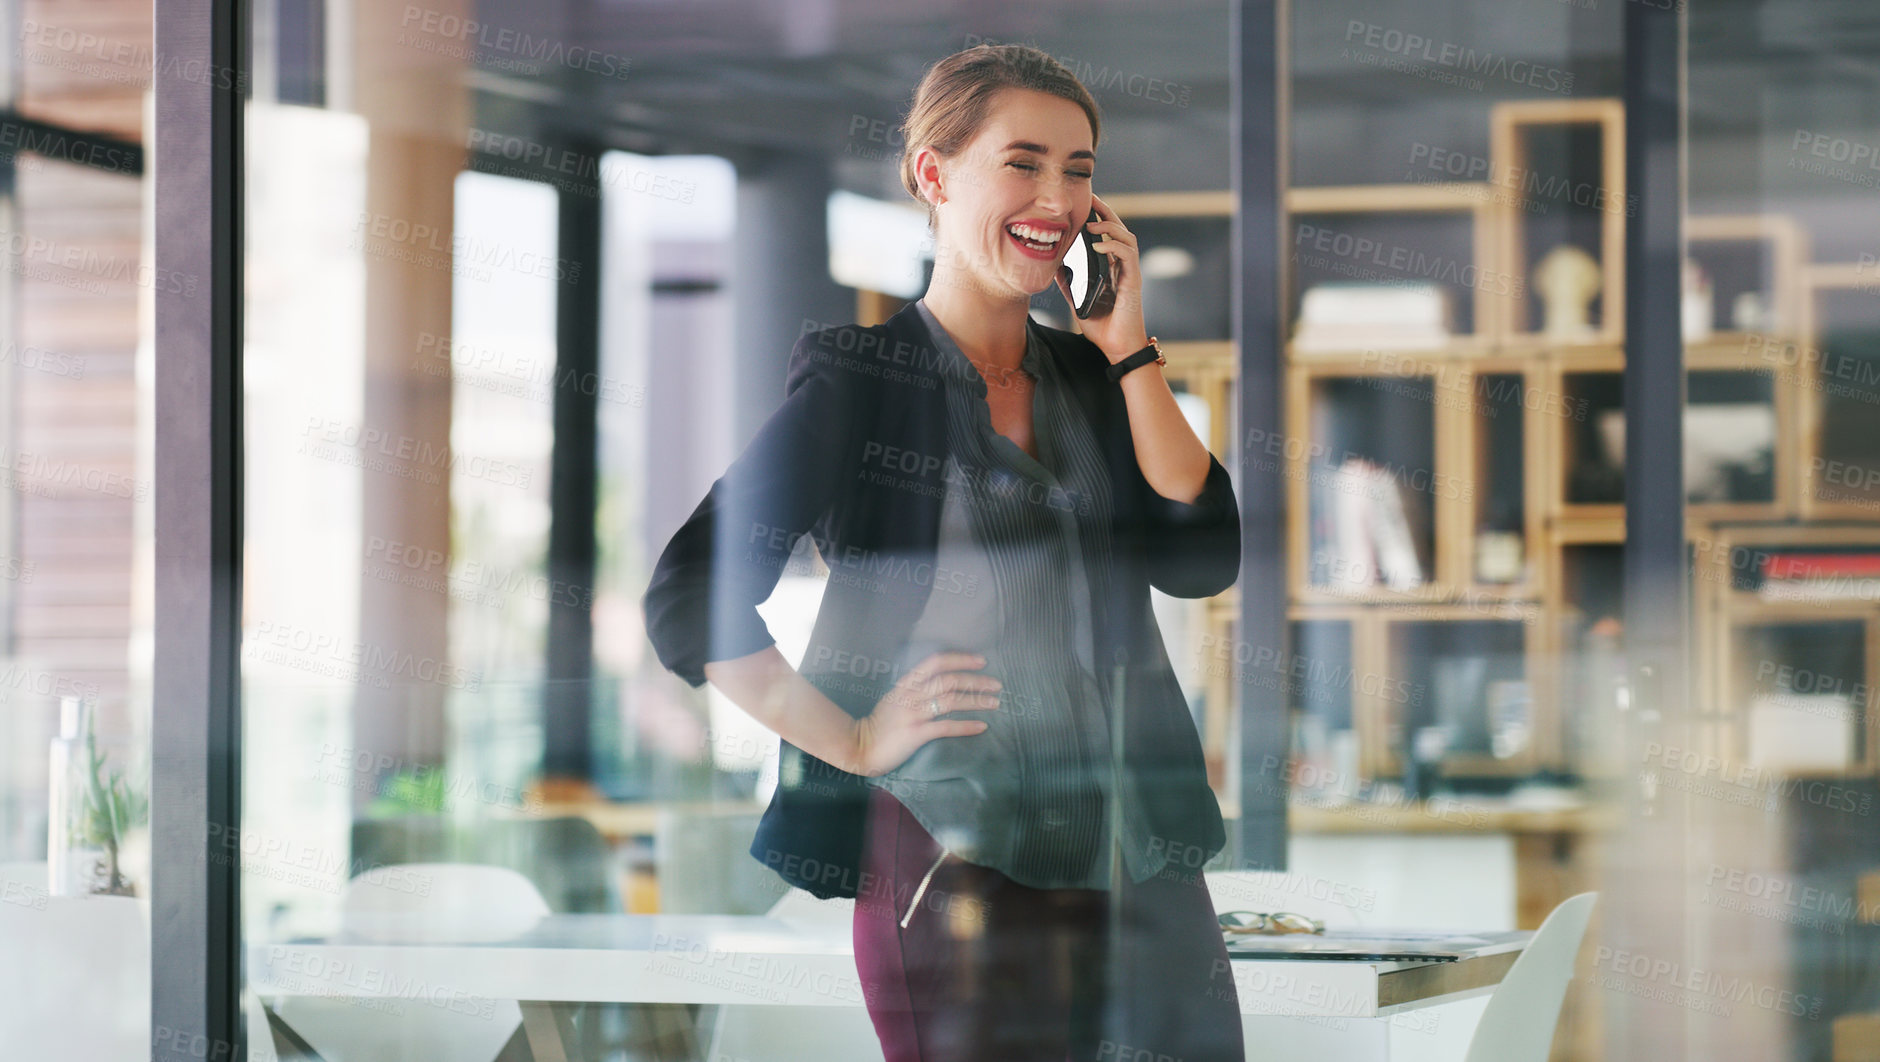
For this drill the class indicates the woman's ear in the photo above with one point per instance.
(928, 175)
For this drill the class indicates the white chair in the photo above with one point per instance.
(463, 902)
(798, 1034)
(1518, 1023)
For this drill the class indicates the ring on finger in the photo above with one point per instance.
(933, 706)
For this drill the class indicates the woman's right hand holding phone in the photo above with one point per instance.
(916, 710)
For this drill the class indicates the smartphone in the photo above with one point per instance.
(1092, 294)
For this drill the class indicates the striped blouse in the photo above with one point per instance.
(1032, 795)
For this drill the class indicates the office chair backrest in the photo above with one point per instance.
(414, 903)
(1518, 1023)
(566, 857)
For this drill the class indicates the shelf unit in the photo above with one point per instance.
(1503, 371)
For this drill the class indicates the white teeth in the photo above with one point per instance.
(1034, 235)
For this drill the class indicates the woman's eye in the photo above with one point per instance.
(1028, 167)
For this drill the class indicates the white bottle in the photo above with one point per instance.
(65, 862)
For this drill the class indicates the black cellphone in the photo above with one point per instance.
(1092, 294)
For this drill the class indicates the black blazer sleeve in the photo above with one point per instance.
(1193, 549)
(701, 603)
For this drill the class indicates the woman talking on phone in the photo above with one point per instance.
(985, 744)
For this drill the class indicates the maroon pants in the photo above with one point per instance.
(989, 970)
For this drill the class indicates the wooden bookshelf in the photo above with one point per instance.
(1543, 380)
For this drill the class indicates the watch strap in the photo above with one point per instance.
(1135, 361)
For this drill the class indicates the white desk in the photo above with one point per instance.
(727, 959)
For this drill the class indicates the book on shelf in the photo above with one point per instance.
(1836, 588)
(1802, 576)
(1802, 731)
(1361, 528)
(1342, 317)
(1820, 565)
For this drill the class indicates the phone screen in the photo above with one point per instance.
(1089, 280)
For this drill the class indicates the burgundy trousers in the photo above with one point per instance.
(988, 970)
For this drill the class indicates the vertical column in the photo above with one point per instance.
(1648, 886)
(572, 492)
(1258, 72)
(419, 110)
(195, 802)
(779, 277)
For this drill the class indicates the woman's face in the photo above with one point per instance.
(1031, 165)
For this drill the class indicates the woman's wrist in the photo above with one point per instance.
(861, 741)
(1117, 355)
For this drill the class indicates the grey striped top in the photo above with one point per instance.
(1031, 796)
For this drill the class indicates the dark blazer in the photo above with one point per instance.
(854, 458)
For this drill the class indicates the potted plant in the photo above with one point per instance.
(110, 806)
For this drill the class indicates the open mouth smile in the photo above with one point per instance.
(1035, 241)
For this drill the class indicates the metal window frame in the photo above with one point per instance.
(200, 86)
(1644, 905)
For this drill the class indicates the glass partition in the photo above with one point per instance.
(76, 495)
(523, 289)
(1779, 319)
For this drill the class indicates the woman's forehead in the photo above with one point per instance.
(1037, 122)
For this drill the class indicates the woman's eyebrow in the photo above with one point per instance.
(1040, 149)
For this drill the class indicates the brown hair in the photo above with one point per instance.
(955, 95)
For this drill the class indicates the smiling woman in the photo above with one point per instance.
(1024, 751)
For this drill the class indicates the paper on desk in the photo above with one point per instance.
(1370, 945)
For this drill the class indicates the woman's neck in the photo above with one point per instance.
(989, 331)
